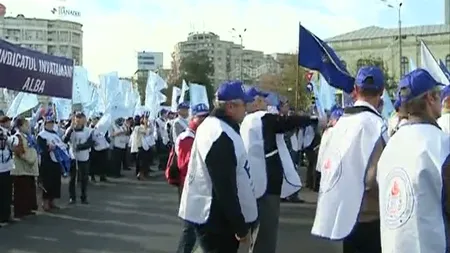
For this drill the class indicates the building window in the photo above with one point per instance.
(447, 61)
(404, 66)
(359, 64)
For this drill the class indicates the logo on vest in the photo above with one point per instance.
(399, 199)
(331, 171)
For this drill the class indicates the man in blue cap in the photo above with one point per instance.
(347, 207)
(444, 120)
(181, 122)
(218, 198)
(414, 172)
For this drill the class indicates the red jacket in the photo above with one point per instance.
(184, 152)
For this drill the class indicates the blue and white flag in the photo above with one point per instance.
(176, 92)
(198, 94)
(184, 90)
(63, 108)
(388, 107)
(327, 94)
(412, 65)
(81, 91)
(153, 98)
(22, 102)
(430, 64)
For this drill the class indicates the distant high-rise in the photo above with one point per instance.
(447, 12)
(150, 60)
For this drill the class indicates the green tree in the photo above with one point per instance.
(197, 68)
(141, 81)
(370, 60)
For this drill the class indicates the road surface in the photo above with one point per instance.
(128, 216)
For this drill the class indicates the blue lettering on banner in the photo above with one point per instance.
(26, 70)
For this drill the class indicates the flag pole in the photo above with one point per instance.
(297, 84)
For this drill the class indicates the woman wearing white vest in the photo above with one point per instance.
(141, 143)
(413, 173)
(49, 168)
(271, 166)
(218, 196)
(99, 160)
(444, 120)
(347, 208)
(26, 169)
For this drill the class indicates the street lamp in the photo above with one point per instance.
(399, 7)
(241, 38)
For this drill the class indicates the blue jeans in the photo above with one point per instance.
(187, 239)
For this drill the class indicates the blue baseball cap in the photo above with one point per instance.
(445, 92)
(233, 90)
(183, 105)
(253, 92)
(375, 73)
(200, 110)
(414, 84)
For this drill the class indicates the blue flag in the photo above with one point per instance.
(315, 54)
(63, 159)
(444, 69)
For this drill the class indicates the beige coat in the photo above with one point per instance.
(27, 163)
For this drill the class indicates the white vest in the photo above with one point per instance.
(196, 198)
(182, 136)
(343, 165)
(55, 140)
(323, 144)
(148, 140)
(119, 141)
(411, 185)
(178, 121)
(162, 131)
(100, 142)
(6, 155)
(251, 132)
(444, 122)
(305, 137)
(79, 137)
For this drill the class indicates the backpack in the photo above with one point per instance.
(172, 172)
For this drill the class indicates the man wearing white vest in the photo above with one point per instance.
(444, 120)
(218, 197)
(413, 173)
(180, 123)
(271, 167)
(80, 140)
(347, 208)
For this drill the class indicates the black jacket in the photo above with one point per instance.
(273, 124)
(225, 212)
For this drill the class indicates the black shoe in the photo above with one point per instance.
(295, 199)
(84, 202)
(72, 201)
(103, 179)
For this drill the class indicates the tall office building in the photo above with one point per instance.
(149, 60)
(447, 12)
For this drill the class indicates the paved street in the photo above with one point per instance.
(127, 216)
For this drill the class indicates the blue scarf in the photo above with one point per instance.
(63, 159)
